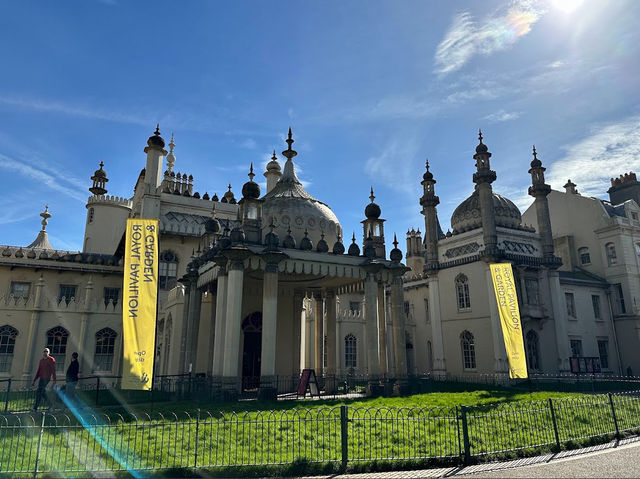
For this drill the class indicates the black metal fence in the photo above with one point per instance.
(68, 444)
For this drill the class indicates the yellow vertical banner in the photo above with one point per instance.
(139, 303)
(507, 299)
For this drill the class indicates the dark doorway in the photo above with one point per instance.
(252, 351)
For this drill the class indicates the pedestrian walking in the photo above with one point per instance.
(46, 371)
(72, 378)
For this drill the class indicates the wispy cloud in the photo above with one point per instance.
(249, 144)
(50, 179)
(467, 37)
(395, 165)
(610, 150)
(502, 115)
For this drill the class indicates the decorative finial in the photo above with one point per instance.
(372, 197)
(274, 157)
(229, 186)
(101, 164)
(157, 132)
(353, 238)
(251, 174)
(480, 135)
(395, 241)
(427, 164)
(45, 216)
(289, 153)
(535, 154)
(172, 144)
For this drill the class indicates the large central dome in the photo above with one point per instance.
(467, 215)
(291, 208)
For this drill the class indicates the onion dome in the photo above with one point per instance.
(237, 235)
(205, 196)
(215, 197)
(535, 163)
(273, 165)
(481, 148)
(212, 226)
(354, 249)
(251, 189)
(289, 241)
(196, 195)
(467, 215)
(372, 211)
(156, 139)
(271, 239)
(99, 179)
(428, 176)
(305, 243)
(395, 254)
(322, 246)
(228, 196)
(338, 247)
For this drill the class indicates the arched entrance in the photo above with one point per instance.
(251, 351)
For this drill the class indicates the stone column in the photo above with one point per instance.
(212, 329)
(437, 344)
(399, 340)
(231, 366)
(193, 326)
(500, 360)
(32, 336)
(83, 350)
(299, 319)
(382, 332)
(308, 336)
(268, 386)
(221, 310)
(330, 384)
(559, 321)
(184, 335)
(318, 317)
(371, 334)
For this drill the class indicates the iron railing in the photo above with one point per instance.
(91, 442)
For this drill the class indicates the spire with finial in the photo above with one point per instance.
(251, 174)
(371, 196)
(289, 153)
(42, 241)
(171, 157)
(251, 189)
(535, 163)
(395, 255)
(156, 139)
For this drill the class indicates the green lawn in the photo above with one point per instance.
(415, 429)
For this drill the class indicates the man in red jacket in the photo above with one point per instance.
(46, 371)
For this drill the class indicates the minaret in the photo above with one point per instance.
(155, 155)
(42, 241)
(539, 190)
(274, 172)
(251, 209)
(373, 229)
(483, 178)
(429, 201)
(99, 179)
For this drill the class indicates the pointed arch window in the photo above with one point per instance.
(167, 270)
(350, 351)
(462, 292)
(468, 347)
(105, 347)
(533, 352)
(57, 339)
(8, 335)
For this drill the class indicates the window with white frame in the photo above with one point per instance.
(57, 339)
(595, 302)
(20, 289)
(585, 257)
(167, 270)
(462, 292)
(618, 299)
(8, 335)
(350, 351)
(105, 348)
(610, 251)
(570, 304)
(468, 348)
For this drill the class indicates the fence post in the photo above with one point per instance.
(97, 389)
(344, 431)
(195, 461)
(615, 418)
(555, 424)
(6, 396)
(35, 469)
(465, 435)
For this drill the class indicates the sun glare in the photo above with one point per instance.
(566, 6)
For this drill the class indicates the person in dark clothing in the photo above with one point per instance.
(72, 378)
(46, 372)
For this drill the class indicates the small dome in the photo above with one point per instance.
(535, 163)
(205, 196)
(215, 198)
(273, 165)
(156, 139)
(467, 215)
(228, 196)
(271, 241)
(212, 225)
(100, 173)
(428, 176)
(372, 211)
(338, 247)
(354, 249)
(322, 246)
(305, 243)
(251, 190)
(289, 241)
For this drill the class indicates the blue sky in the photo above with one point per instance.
(370, 88)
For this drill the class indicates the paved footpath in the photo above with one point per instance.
(604, 461)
